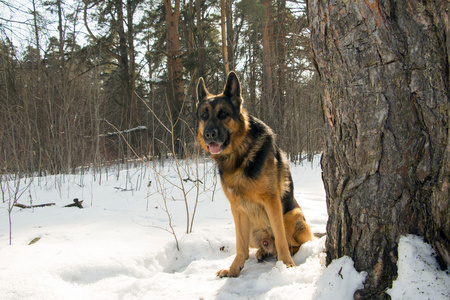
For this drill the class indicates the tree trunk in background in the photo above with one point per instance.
(384, 67)
(124, 65)
(267, 96)
(174, 61)
(279, 59)
(230, 33)
(132, 109)
(190, 50)
(175, 70)
(201, 39)
(224, 37)
(61, 43)
(37, 113)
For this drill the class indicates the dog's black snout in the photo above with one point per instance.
(211, 134)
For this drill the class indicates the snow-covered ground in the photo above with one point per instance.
(120, 246)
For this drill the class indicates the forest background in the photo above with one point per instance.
(81, 81)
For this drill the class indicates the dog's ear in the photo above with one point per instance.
(202, 92)
(233, 90)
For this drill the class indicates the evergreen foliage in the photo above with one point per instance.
(68, 71)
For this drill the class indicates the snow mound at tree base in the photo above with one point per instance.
(419, 275)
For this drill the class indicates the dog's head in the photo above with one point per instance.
(265, 241)
(268, 245)
(221, 117)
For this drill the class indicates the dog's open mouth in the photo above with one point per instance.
(215, 148)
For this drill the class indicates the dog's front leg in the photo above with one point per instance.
(275, 212)
(242, 225)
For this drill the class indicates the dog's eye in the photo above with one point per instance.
(223, 115)
(204, 116)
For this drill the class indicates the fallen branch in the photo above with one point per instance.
(33, 206)
(123, 189)
(193, 181)
(76, 203)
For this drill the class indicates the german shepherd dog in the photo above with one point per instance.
(255, 177)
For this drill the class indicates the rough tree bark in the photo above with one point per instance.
(384, 67)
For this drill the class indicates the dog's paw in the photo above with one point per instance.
(228, 273)
(259, 256)
(290, 265)
(288, 262)
(222, 273)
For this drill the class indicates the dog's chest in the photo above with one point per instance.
(234, 184)
(256, 214)
(255, 211)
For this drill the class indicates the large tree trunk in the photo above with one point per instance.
(384, 67)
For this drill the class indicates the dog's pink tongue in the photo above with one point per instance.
(214, 148)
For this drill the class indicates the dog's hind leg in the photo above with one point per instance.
(275, 212)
